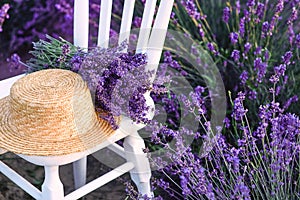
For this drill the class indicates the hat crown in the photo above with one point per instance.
(57, 103)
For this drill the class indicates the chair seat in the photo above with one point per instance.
(6, 84)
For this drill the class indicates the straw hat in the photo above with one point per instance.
(49, 113)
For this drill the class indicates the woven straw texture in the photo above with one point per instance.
(50, 113)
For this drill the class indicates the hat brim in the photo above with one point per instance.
(12, 140)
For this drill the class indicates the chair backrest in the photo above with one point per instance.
(151, 35)
(149, 41)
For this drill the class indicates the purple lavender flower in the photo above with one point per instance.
(293, 16)
(238, 108)
(14, 62)
(265, 27)
(211, 47)
(247, 47)
(242, 27)
(297, 40)
(291, 100)
(274, 79)
(75, 62)
(234, 37)
(287, 57)
(191, 8)
(280, 70)
(241, 191)
(226, 14)
(201, 31)
(226, 122)
(238, 6)
(65, 49)
(291, 34)
(267, 55)
(244, 77)
(65, 8)
(260, 67)
(137, 21)
(247, 15)
(257, 50)
(4, 14)
(252, 94)
(260, 10)
(250, 3)
(235, 55)
(279, 6)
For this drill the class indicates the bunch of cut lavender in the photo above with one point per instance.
(117, 80)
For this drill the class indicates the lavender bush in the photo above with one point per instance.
(249, 41)
(256, 155)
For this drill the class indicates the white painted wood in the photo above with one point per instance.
(141, 173)
(158, 34)
(117, 149)
(104, 23)
(146, 26)
(6, 84)
(19, 180)
(126, 20)
(100, 181)
(81, 36)
(81, 23)
(79, 171)
(52, 188)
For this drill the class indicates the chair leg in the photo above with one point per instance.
(79, 171)
(141, 173)
(52, 188)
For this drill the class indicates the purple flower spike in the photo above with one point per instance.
(226, 14)
(251, 3)
(260, 10)
(211, 48)
(293, 16)
(242, 27)
(238, 108)
(191, 8)
(235, 55)
(244, 77)
(287, 57)
(297, 40)
(234, 37)
(247, 47)
(3, 14)
(265, 27)
(260, 67)
(14, 62)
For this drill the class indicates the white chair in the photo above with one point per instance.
(150, 42)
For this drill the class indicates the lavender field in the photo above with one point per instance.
(254, 153)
